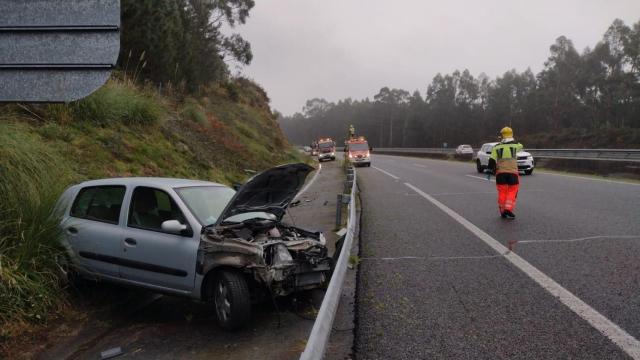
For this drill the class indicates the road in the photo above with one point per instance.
(437, 280)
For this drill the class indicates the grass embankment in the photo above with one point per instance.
(121, 130)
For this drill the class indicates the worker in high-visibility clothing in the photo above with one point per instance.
(504, 162)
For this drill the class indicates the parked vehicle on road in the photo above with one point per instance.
(359, 151)
(464, 150)
(525, 160)
(195, 238)
(326, 149)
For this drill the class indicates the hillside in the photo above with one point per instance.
(121, 130)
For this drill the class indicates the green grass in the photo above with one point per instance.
(31, 179)
(118, 101)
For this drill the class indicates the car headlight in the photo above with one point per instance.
(530, 158)
(333, 154)
(281, 255)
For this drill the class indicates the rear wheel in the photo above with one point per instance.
(232, 299)
(479, 166)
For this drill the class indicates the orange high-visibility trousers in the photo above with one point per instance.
(507, 195)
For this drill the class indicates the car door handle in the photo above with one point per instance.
(130, 241)
(71, 230)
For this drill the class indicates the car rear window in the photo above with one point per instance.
(99, 203)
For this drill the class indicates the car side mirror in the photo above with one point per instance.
(174, 227)
(236, 186)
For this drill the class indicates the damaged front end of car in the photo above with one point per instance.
(283, 259)
(250, 236)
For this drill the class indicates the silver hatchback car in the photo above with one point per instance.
(195, 238)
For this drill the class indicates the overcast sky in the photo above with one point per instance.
(351, 48)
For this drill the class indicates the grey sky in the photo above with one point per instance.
(351, 48)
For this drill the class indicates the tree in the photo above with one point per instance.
(181, 40)
(597, 88)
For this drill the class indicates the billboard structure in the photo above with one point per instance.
(56, 50)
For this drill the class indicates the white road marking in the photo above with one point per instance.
(485, 192)
(480, 178)
(466, 193)
(592, 179)
(616, 334)
(597, 237)
(306, 187)
(384, 172)
(432, 257)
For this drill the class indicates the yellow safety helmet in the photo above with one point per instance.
(506, 132)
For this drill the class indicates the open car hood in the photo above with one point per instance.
(270, 191)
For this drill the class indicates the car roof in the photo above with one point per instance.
(149, 181)
(491, 143)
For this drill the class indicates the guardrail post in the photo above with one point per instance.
(339, 211)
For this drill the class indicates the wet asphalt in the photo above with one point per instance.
(429, 288)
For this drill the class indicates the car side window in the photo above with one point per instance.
(99, 203)
(151, 207)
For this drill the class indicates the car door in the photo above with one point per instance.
(153, 256)
(93, 230)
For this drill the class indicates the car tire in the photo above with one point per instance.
(479, 166)
(231, 299)
(368, 164)
(528, 172)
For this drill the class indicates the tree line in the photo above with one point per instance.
(596, 89)
(181, 42)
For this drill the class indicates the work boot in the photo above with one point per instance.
(509, 215)
(503, 215)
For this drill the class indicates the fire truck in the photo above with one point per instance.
(359, 151)
(326, 149)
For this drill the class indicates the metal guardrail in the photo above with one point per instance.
(319, 338)
(627, 155)
(632, 155)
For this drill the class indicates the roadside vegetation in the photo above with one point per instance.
(579, 99)
(171, 109)
(121, 130)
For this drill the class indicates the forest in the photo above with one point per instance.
(181, 43)
(579, 99)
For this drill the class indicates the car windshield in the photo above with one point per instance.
(326, 145)
(359, 147)
(206, 202)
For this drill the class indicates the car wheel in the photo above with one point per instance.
(528, 172)
(479, 166)
(368, 164)
(231, 299)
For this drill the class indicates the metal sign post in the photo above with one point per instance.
(56, 50)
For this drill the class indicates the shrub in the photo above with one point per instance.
(194, 112)
(31, 179)
(119, 101)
